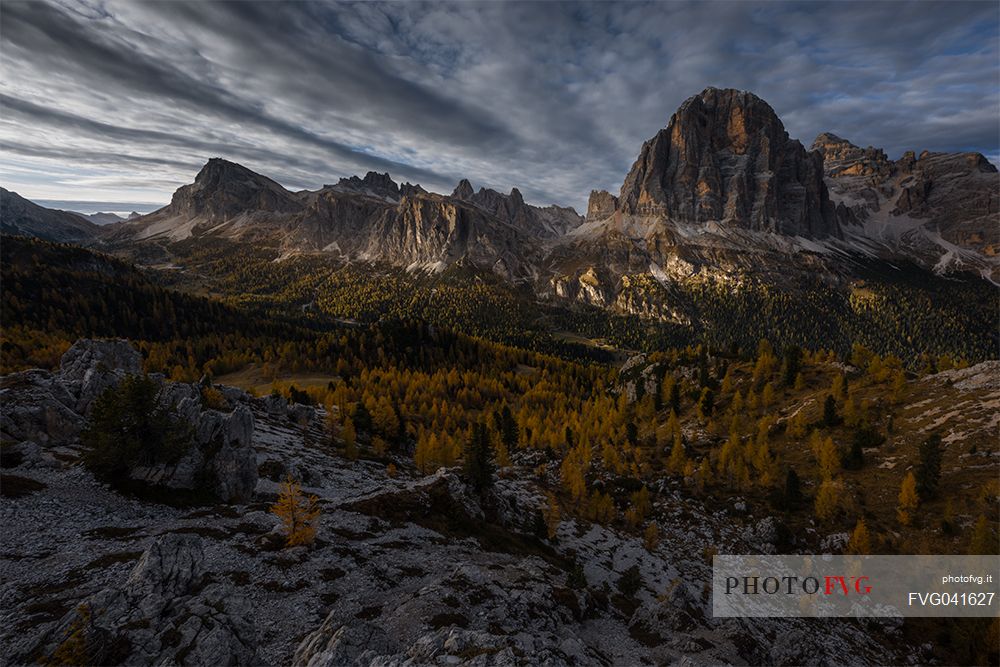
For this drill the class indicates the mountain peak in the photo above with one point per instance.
(218, 167)
(463, 190)
(373, 183)
(725, 157)
(224, 189)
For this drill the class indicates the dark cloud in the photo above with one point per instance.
(554, 98)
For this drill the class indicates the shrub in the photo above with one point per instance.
(73, 649)
(630, 582)
(129, 426)
(213, 399)
(860, 542)
(830, 416)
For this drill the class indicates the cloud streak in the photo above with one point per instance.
(554, 98)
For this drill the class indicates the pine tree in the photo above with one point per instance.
(791, 364)
(829, 459)
(908, 499)
(704, 474)
(705, 404)
(350, 439)
(362, 418)
(477, 461)
(855, 458)
(299, 514)
(727, 382)
(506, 428)
(675, 397)
(929, 468)
(830, 416)
(552, 516)
(793, 490)
(767, 396)
(130, 426)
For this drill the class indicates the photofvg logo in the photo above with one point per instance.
(855, 586)
(791, 585)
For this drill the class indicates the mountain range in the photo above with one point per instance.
(721, 192)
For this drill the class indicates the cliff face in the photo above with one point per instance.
(546, 222)
(954, 197)
(601, 204)
(223, 190)
(726, 157)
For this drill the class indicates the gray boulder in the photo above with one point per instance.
(163, 614)
(302, 415)
(36, 406)
(335, 644)
(221, 453)
(274, 405)
(92, 366)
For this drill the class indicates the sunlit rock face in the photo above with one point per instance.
(601, 204)
(725, 156)
(921, 203)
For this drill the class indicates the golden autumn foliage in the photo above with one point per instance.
(552, 516)
(983, 540)
(73, 649)
(299, 513)
(828, 499)
(651, 536)
(908, 500)
(860, 542)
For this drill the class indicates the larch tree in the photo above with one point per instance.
(299, 513)
(860, 542)
(908, 499)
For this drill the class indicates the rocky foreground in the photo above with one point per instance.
(406, 570)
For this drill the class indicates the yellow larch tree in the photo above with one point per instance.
(908, 499)
(299, 513)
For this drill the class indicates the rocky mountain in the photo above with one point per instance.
(721, 193)
(726, 158)
(940, 208)
(370, 218)
(22, 217)
(547, 222)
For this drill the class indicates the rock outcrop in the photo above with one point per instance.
(534, 221)
(726, 157)
(166, 612)
(37, 408)
(601, 204)
(90, 367)
(50, 409)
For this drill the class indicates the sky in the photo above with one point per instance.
(124, 102)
